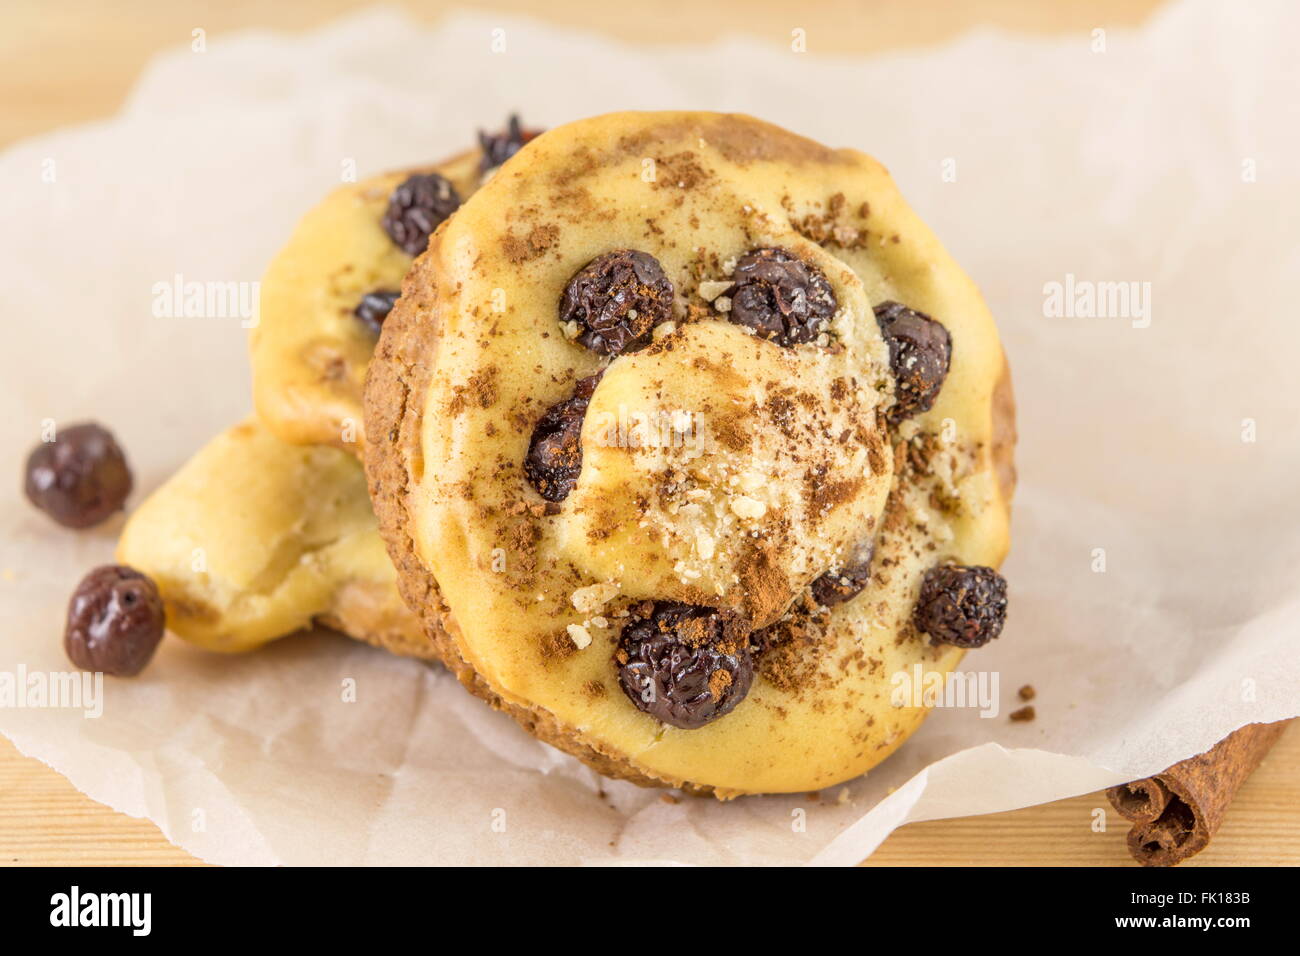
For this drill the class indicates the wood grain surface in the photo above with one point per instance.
(75, 61)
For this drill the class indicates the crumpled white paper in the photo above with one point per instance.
(1159, 439)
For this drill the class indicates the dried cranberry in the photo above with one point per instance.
(617, 299)
(960, 605)
(498, 147)
(847, 581)
(554, 458)
(416, 208)
(80, 478)
(781, 297)
(920, 351)
(115, 621)
(374, 308)
(685, 665)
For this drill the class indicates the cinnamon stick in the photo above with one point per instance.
(1175, 813)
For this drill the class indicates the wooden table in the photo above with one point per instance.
(75, 61)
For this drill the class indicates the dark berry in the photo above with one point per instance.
(115, 621)
(617, 299)
(416, 208)
(554, 458)
(685, 665)
(80, 478)
(498, 147)
(374, 308)
(920, 351)
(960, 605)
(847, 581)
(781, 297)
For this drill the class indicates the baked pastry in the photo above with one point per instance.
(686, 438)
(253, 539)
(327, 292)
(322, 300)
(256, 538)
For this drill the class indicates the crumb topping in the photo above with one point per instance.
(723, 461)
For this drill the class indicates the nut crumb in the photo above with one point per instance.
(593, 597)
(1023, 715)
(710, 289)
(704, 544)
(744, 506)
(580, 636)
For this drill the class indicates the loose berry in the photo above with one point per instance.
(115, 621)
(80, 478)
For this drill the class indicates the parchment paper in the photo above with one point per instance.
(1170, 442)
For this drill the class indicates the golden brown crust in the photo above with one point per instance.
(366, 616)
(1004, 433)
(394, 641)
(393, 423)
